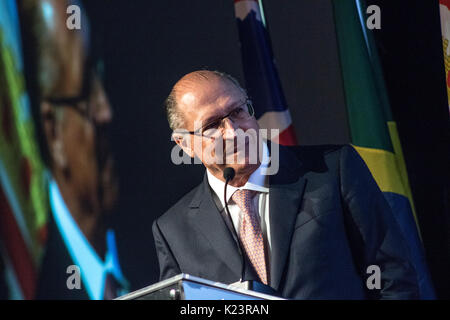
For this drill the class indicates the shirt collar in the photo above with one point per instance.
(92, 269)
(257, 180)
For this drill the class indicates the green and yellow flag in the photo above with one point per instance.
(372, 128)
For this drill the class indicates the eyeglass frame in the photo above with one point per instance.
(250, 111)
(90, 70)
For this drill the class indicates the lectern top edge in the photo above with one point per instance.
(186, 277)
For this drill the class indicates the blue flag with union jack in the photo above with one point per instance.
(261, 76)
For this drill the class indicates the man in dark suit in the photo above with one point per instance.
(314, 230)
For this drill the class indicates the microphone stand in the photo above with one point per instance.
(228, 174)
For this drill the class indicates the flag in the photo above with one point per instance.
(23, 209)
(261, 76)
(444, 9)
(372, 128)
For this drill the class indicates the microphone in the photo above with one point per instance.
(228, 175)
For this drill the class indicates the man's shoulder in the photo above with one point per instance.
(316, 150)
(51, 282)
(322, 162)
(313, 156)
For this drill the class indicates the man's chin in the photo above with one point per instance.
(243, 169)
(109, 190)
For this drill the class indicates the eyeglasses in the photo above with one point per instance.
(239, 114)
(80, 103)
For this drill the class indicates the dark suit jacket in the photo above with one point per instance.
(52, 281)
(328, 219)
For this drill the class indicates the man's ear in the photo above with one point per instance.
(53, 135)
(184, 142)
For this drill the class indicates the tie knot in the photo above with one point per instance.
(243, 198)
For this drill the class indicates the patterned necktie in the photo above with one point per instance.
(250, 232)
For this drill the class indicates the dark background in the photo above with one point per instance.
(148, 45)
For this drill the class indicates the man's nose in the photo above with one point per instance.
(229, 129)
(103, 113)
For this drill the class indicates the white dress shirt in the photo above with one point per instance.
(257, 182)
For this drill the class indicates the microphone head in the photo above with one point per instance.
(228, 173)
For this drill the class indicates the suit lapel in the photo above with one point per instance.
(286, 191)
(209, 222)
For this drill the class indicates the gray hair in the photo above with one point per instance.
(174, 116)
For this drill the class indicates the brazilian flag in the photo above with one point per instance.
(372, 128)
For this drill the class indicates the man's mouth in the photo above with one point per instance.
(108, 186)
(232, 155)
(107, 170)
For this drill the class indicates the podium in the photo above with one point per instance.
(187, 287)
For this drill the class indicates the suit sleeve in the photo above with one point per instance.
(168, 267)
(379, 238)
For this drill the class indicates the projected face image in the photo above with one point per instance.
(76, 116)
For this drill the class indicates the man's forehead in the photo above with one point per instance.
(206, 92)
(63, 51)
(72, 55)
